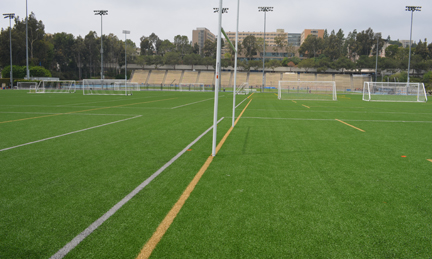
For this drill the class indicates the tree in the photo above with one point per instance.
(172, 58)
(158, 61)
(192, 59)
(166, 47)
(281, 43)
(343, 63)
(209, 49)
(391, 51)
(249, 46)
(181, 44)
(273, 63)
(421, 50)
(365, 62)
(312, 46)
(365, 40)
(307, 64)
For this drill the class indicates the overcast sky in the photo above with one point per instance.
(168, 18)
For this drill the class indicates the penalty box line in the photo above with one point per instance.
(151, 244)
(70, 133)
(72, 244)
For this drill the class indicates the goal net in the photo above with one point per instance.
(191, 87)
(394, 92)
(54, 86)
(242, 89)
(26, 85)
(307, 90)
(108, 87)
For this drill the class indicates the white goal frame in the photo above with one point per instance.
(26, 85)
(54, 87)
(129, 86)
(242, 89)
(196, 87)
(106, 87)
(394, 92)
(307, 90)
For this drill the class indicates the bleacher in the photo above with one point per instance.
(173, 77)
(255, 79)
(140, 76)
(272, 79)
(225, 79)
(189, 77)
(241, 78)
(206, 78)
(307, 77)
(289, 77)
(156, 77)
(358, 82)
(343, 82)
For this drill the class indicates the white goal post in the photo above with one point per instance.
(243, 88)
(191, 87)
(394, 92)
(54, 86)
(307, 90)
(26, 85)
(108, 87)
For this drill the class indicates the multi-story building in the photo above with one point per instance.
(200, 35)
(317, 32)
(294, 39)
(406, 43)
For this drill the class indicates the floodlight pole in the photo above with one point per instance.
(10, 16)
(411, 9)
(125, 33)
(265, 10)
(101, 13)
(235, 64)
(27, 57)
(377, 35)
(217, 80)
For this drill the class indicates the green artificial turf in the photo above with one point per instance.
(290, 181)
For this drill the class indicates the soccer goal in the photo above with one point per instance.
(54, 86)
(26, 85)
(108, 87)
(192, 87)
(307, 90)
(242, 89)
(394, 92)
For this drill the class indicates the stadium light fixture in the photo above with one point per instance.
(411, 9)
(265, 10)
(220, 10)
(235, 65)
(101, 13)
(378, 36)
(224, 10)
(125, 33)
(27, 56)
(10, 16)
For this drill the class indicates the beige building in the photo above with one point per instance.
(317, 32)
(200, 35)
(269, 36)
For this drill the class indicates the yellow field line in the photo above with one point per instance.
(350, 125)
(430, 160)
(306, 106)
(151, 244)
(250, 95)
(294, 101)
(95, 109)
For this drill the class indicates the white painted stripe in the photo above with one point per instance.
(191, 103)
(72, 244)
(241, 102)
(304, 119)
(73, 132)
(61, 113)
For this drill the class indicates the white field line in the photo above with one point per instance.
(72, 244)
(304, 119)
(192, 103)
(241, 102)
(73, 132)
(61, 113)
(366, 112)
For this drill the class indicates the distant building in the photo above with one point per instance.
(317, 32)
(406, 43)
(200, 35)
(294, 39)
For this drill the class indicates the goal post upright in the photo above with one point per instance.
(394, 92)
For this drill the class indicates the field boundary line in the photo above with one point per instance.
(244, 100)
(80, 237)
(69, 133)
(191, 103)
(95, 109)
(151, 244)
(305, 119)
(430, 160)
(59, 113)
(351, 125)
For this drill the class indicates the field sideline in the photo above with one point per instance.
(300, 179)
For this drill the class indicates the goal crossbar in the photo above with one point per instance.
(394, 92)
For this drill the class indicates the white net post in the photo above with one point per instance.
(107, 87)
